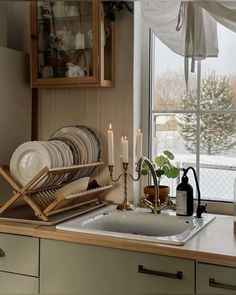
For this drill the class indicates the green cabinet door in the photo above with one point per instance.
(215, 279)
(21, 254)
(84, 269)
(11, 283)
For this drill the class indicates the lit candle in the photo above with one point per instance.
(139, 145)
(110, 146)
(125, 150)
(121, 146)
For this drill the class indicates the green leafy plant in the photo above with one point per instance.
(163, 166)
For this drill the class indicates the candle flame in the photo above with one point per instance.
(110, 126)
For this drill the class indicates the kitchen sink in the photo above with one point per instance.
(139, 224)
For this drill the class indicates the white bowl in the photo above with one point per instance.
(74, 187)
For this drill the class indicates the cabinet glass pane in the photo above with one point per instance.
(65, 39)
(108, 38)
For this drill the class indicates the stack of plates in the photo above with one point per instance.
(84, 143)
(31, 157)
(68, 146)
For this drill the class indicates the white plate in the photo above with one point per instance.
(82, 141)
(87, 145)
(74, 187)
(97, 144)
(28, 159)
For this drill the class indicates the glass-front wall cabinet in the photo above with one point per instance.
(71, 44)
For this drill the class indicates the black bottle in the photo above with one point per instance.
(184, 198)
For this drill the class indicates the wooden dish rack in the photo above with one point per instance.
(39, 195)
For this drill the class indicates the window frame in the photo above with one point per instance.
(213, 206)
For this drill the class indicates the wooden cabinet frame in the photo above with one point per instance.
(98, 56)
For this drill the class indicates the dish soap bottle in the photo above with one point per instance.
(184, 198)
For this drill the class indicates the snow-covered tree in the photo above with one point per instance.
(216, 129)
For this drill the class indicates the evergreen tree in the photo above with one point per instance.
(216, 129)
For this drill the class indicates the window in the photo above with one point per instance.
(200, 129)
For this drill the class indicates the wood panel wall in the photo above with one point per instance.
(97, 107)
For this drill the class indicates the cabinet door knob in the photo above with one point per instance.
(214, 284)
(2, 253)
(178, 275)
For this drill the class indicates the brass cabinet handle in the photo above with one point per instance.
(178, 275)
(214, 284)
(2, 253)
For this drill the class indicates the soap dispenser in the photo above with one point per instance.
(184, 198)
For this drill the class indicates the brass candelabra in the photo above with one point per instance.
(125, 205)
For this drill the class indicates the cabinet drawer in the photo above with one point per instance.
(11, 283)
(215, 279)
(84, 269)
(20, 254)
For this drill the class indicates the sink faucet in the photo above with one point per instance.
(155, 207)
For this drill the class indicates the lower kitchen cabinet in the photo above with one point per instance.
(71, 268)
(11, 283)
(84, 269)
(19, 264)
(215, 279)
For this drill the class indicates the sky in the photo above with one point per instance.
(225, 63)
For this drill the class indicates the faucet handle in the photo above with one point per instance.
(145, 203)
(201, 209)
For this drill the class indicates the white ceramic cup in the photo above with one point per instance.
(79, 41)
(74, 71)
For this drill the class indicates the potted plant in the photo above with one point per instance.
(164, 168)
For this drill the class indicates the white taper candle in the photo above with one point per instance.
(139, 145)
(125, 150)
(110, 139)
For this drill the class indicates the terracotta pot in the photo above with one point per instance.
(164, 192)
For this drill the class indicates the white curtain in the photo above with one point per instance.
(189, 28)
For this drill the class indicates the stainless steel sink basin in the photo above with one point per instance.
(139, 225)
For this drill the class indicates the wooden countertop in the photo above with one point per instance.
(216, 243)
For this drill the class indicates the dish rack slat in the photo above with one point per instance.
(41, 195)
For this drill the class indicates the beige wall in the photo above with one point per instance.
(98, 107)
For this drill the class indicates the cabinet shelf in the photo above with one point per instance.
(62, 18)
(65, 50)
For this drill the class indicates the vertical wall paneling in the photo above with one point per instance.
(35, 119)
(137, 86)
(77, 105)
(97, 107)
(92, 115)
(62, 107)
(46, 113)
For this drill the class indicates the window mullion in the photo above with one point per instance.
(198, 113)
(151, 75)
